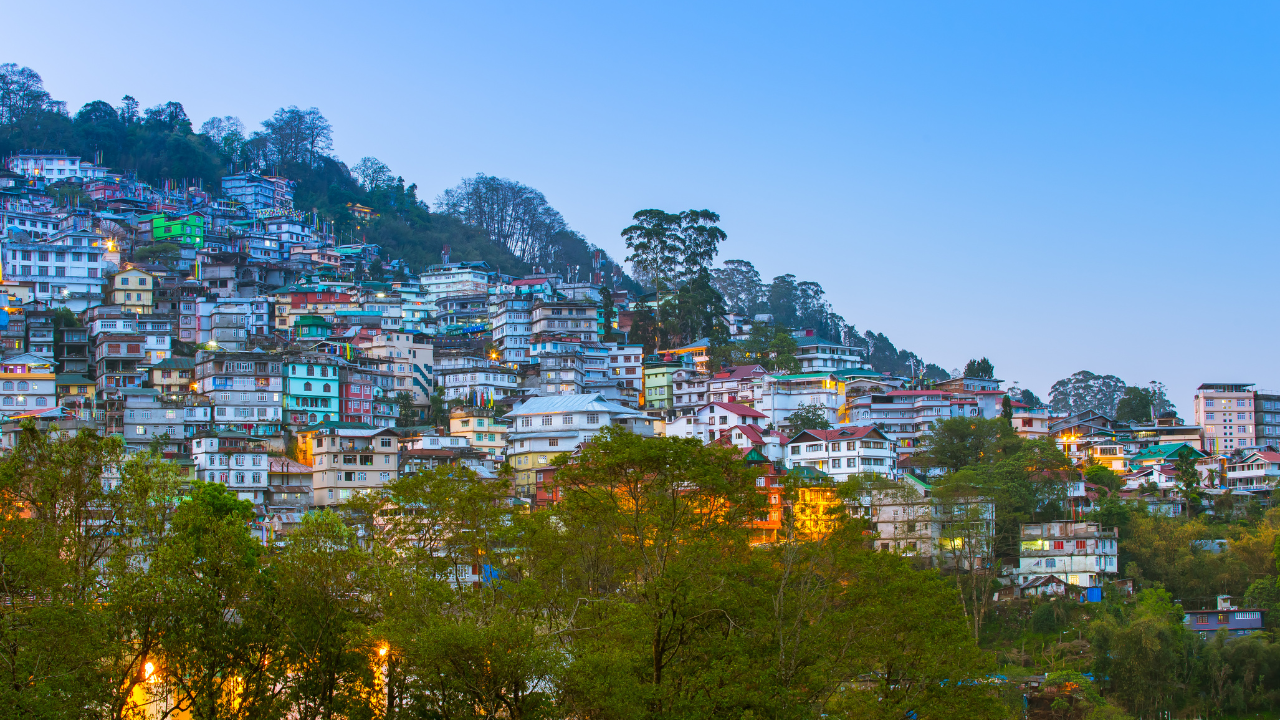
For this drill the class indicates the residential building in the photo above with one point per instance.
(151, 417)
(361, 392)
(483, 431)
(118, 359)
(1267, 423)
(626, 364)
(348, 458)
(132, 288)
(245, 389)
(713, 420)
(571, 319)
(816, 354)
(1232, 621)
(446, 279)
(1082, 553)
(71, 349)
(409, 358)
(779, 395)
(63, 271)
(473, 379)
(234, 459)
(659, 385)
(1256, 472)
(909, 519)
(734, 384)
(544, 427)
(844, 451)
(689, 391)
(174, 376)
(27, 384)
(906, 416)
(1031, 423)
(52, 166)
(311, 389)
(258, 192)
(1226, 412)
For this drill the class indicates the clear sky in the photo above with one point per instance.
(1057, 186)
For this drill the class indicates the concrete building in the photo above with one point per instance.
(245, 390)
(1226, 412)
(844, 451)
(1082, 553)
(544, 427)
(234, 459)
(310, 389)
(348, 458)
(65, 270)
(482, 431)
(27, 384)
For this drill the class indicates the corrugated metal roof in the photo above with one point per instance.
(548, 404)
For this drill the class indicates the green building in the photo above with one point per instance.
(186, 229)
(312, 327)
(311, 389)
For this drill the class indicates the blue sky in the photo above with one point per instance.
(1057, 186)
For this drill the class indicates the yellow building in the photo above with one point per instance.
(133, 289)
(484, 432)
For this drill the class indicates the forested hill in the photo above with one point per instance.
(160, 144)
(504, 223)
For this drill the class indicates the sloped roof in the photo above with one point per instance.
(285, 465)
(735, 408)
(175, 363)
(1164, 451)
(586, 402)
(849, 432)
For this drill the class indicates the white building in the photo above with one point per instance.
(843, 451)
(626, 364)
(1082, 553)
(53, 166)
(65, 270)
(234, 459)
(464, 278)
(543, 427)
(818, 355)
(906, 416)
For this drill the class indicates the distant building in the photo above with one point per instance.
(52, 166)
(1082, 553)
(1226, 412)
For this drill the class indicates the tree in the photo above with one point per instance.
(168, 117)
(22, 93)
(980, 369)
(1188, 480)
(372, 173)
(1134, 406)
(673, 247)
(809, 417)
(771, 347)
(1006, 409)
(1085, 391)
(298, 136)
(739, 284)
(408, 411)
(608, 313)
(960, 442)
(167, 254)
(510, 214)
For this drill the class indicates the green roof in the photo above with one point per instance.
(68, 379)
(806, 472)
(755, 458)
(1164, 451)
(860, 372)
(805, 376)
(175, 363)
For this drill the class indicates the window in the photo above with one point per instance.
(835, 464)
(1058, 545)
(816, 447)
(139, 430)
(546, 419)
(306, 387)
(1081, 544)
(326, 387)
(568, 419)
(526, 421)
(1202, 619)
(593, 419)
(553, 442)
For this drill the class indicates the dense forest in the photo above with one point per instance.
(502, 222)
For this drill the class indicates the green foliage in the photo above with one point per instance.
(1044, 619)
(772, 347)
(1134, 406)
(673, 247)
(809, 417)
(980, 369)
(1006, 409)
(408, 412)
(1165, 550)
(1104, 476)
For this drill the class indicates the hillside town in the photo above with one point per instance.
(248, 352)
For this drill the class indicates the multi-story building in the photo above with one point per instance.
(510, 317)
(1031, 423)
(1226, 412)
(361, 390)
(174, 376)
(348, 458)
(234, 459)
(817, 354)
(311, 389)
(467, 377)
(185, 229)
(118, 359)
(259, 192)
(561, 374)
(446, 279)
(1267, 424)
(911, 520)
(626, 364)
(40, 334)
(544, 427)
(482, 430)
(409, 358)
(572, 319)
(734, 384)
(132, 289)
(64, 271)
(71, 350)
(463, 313)
(151, 417)
(27, 384)
(245, 389)
(659, 385)
(844, 451)
(906, 416)
(780, 396)
(52, 166)
(1257, 471)
(1081, 553)
(689, 391)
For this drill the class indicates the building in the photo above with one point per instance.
(445, 279)
(1256, 472)
(52, 166)
(1031, 423)
(310, 389)
(409, 358)
(1267, 424)
(689, 391)
(844, 451)
(1235, 622)
(259, 192)
(779, 396)
(27, 383)
(910, 520)
(1226, 412)
(544, 427)
(234, 459)
(63, 271)
(174, 376)
(132, 290)
(816, 354)
(348, 458)
(482, 431)
(1082, 553)
(713, 420)
(907, 416)
(245, 390)
(626, 364)
(570, 319)
(659, 383)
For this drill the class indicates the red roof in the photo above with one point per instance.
(988, 392)
(735, 408)
(1268, 456)
(917, 392)
(848, 432)
(530, 281)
